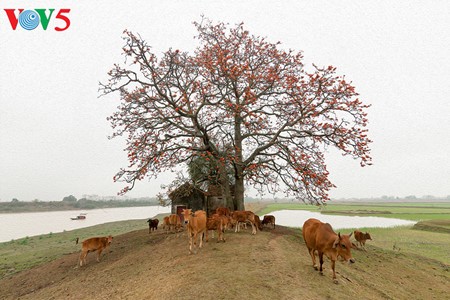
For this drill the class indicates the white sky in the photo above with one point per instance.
(53, 128)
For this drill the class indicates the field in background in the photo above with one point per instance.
(407, 211)
(430, 237)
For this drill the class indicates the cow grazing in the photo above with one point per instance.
(268, 219)
(361, 238)
(152, 224)
(216, 222)
(94, 244)
(196, 226)
(320, 237)
(243, 216)
(258, 223)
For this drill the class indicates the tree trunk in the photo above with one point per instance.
(239, 192)
(238, 167)
(225, 186)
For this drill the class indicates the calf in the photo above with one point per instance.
(361, 238)
(152, 224)
(243, 216)
(94, 244)
(216, 222)
(269, 219)
(196, 226)
(320, 237)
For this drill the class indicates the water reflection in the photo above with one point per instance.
(296, 218)
(15, 226)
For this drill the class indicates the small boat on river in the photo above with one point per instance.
(79, 217)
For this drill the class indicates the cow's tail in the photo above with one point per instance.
(76, 241)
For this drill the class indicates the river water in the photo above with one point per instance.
(296, 218)
(15, 226)
(19, 225)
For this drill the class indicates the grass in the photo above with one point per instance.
(430, 238)
(407, 240)
(25, 253)
(272, 264)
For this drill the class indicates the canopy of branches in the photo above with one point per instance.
(243, 103)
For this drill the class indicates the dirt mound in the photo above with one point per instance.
(433, 225)
(273, 264)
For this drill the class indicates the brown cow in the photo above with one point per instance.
(321, 237)
(166, 224)
(174, 222)
(223, 211)
(361, 238)
(216, 222)
(94, 244)
(196, 225)
(269, 219)
(152, 224)
(243, 216)
(226, 222)
(258, 223)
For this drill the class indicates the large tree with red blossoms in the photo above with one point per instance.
(241, 102)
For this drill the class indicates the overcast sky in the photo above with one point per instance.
(53, 128)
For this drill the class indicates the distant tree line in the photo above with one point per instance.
(70, 203)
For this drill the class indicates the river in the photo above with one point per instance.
(19, 225)
(296, 218)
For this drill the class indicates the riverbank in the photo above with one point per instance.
(20, 225)
(414, 211)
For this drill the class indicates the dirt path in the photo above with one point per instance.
(274, 264)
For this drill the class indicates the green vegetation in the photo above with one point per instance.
(434, 226)
(429, 237)
(28, 252)
(406, 240)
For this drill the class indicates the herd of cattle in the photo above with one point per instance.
(198, 225)
(319, 237)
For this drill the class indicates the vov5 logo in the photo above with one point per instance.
(30, 19)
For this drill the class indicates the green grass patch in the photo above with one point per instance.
(25, 253)
(405, 239)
